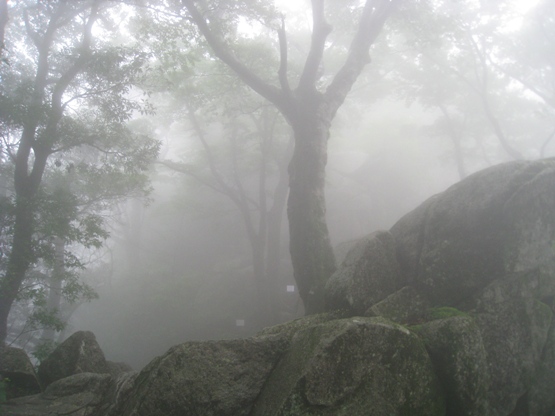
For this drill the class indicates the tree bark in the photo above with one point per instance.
(20, 258)
(310, 248)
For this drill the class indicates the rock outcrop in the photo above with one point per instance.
(18, 371)
(484, 248)
(83, 394)
(450, 313)
(352, 366)
(80, 353)
(206, 378)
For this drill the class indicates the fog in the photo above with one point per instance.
(182, 267)
(447, 93)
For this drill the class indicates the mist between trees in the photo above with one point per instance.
(177, 170)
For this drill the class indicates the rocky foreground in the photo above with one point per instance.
(448, 313)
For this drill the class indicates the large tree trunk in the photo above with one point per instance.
(310, 247)
(20, 259)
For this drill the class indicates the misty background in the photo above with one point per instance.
(452, 88)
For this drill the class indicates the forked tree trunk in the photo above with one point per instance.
(310, 113)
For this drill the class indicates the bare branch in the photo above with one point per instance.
(222, 51)
(484, 96)
(373, 18)
(283, 58)
(549, 100)
(320, 31)
(546, 143)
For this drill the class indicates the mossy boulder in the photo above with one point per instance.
(495, 222)
(368, 274)
(82, 394)
(515, 337)
(80, 353)
(18, 373)
(206, 378)
(405, 306)
(540, 398)
(460, 360)
(353, 366)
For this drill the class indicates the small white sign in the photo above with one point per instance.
(290, 288)
(239, 322)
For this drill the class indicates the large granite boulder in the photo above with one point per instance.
(456, 349)
(18, 372)
(498, 221)
(355, 366)
(83, 394)
(368, 273)
(80, 353)
(495, 222)
(206, 378)
(485, 246)
(515, 334)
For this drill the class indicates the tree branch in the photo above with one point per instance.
(546, 143)
(43, 148)
(503, 140)
(221, 50)
(320, 31)
(373, 18)
(283, 58)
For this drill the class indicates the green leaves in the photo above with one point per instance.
(65, 101)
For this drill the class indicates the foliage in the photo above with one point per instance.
(65, 100)
(465, 63)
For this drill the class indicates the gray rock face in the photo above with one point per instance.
(80, 395)
(460, 359)
(369, 273)
(540, 399)
(484, 246)
(355, 366)
(495, 222)
(206, 378)
(16, 367)
(405, 306)
(80, 353)
(83, 394)
(515, 334)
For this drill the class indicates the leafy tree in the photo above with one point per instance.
(464, 66)
(309, 108)
(64, 92)
(249, 168)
